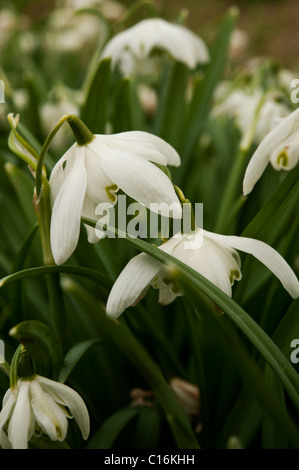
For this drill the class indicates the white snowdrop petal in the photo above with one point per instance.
(20, 421)
(145, 145)
(131, 282)
(68, 397)
(67, 209)
(49, 416)
(153, 189)
(184, 45)
(261, 156)
(269, 257)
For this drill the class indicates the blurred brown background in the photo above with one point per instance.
(272, 25)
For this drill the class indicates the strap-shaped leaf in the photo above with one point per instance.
(94, 112)
(201, 100)
(106, 435)
(73, 357)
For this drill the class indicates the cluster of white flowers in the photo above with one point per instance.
(93, 172)
(252, 107)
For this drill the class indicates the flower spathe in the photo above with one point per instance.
(280, 147)
(38, 404)
(213, 256)
(87, 175)
(137, 42)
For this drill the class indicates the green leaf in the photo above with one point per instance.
(134, 351)
(274, 437)
(201, 100)
(148, 428)
(73, 357)
(247, 368)
(15, 293)
(267, 348)
(23, 186)
(269, 216)
(127, 114)
(172, 104)
(246, 415)
(67, 269)
(94, 112)
(106, 435)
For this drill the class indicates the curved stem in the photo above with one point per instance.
(82, 135)
(14, 366)
(40, 162)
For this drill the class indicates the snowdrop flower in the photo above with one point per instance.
(38, 404)
(280, 147)
(88, 175)
(213, 256)
(243, 107)
(136, 43)
(111, 9)
(68, 32)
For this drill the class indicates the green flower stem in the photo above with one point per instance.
(42, 207)
(82, 135)
(81, 132)
(184, 203)
(40, 162)
(14, 367)
(96, 276)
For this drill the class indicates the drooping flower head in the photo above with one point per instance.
(280, 147)
(87, 175)
(213, 256)
(252, 107)
(136, 43)
(36, 405)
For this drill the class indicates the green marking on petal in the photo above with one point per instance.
(111, 190)
(155, 282)
(167, 281)
(234, 274)
(175, 290)
(283, 159)
(58, 432)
